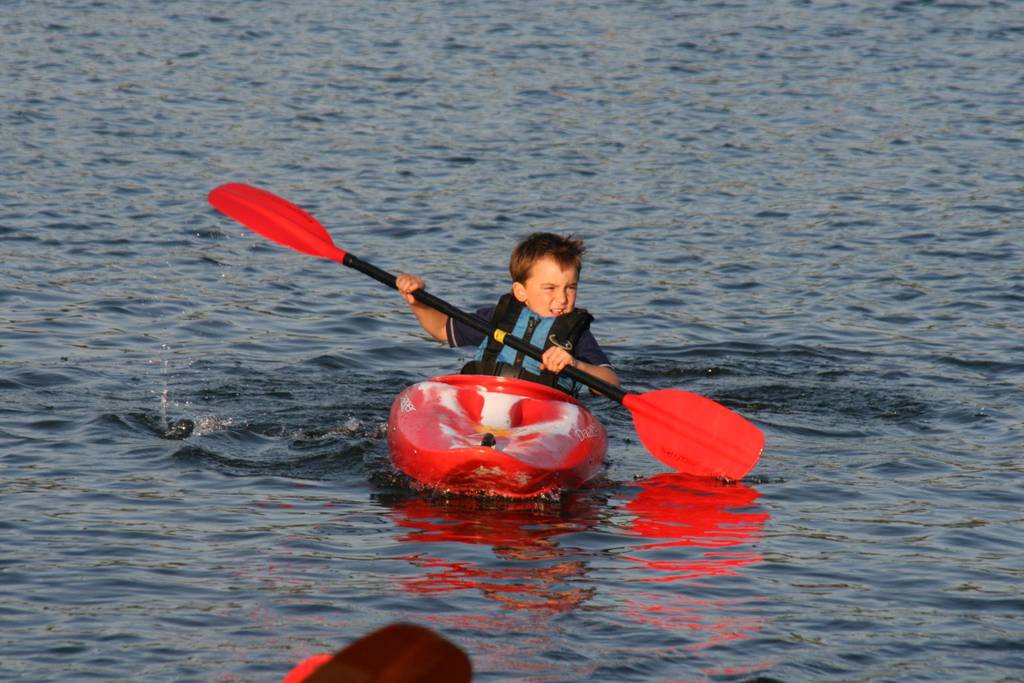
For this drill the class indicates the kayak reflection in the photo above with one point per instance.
(661, 552)
(529, 570)
(682, 528)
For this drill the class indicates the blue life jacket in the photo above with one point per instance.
(511, 315)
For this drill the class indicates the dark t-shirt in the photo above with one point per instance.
(459, 334)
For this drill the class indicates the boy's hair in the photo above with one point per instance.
(567, 252)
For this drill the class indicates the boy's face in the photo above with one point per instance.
(549, 289)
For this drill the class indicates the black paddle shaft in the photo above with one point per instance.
(428, 299)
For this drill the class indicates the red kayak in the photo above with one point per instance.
(496, 436)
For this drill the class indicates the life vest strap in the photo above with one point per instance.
(565, 332)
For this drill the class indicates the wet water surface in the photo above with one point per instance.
(809, 212)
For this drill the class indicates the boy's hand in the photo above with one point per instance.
(556, 359)
(407, 284)
(433, 321)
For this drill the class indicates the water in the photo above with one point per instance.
(807, 211)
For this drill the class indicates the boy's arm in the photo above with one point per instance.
(600, 371)
(430, 319)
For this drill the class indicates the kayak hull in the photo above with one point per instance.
(477, 434)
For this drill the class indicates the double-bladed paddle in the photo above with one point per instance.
(687, 432)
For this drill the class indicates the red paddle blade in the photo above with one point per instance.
(275, 218)
(400, 653)
(695, 435)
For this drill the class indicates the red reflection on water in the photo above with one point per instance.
(677, 537)
(673, 514)
(531, 568)
(689, 531)
(676, 511)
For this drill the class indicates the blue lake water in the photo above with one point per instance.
(810, 212)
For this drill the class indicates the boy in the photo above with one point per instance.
(540, 309)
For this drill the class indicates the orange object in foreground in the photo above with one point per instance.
(477, 434)
(400, 653)
(304, 669)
